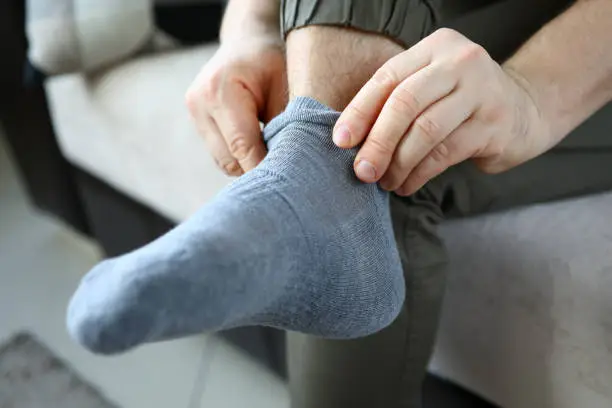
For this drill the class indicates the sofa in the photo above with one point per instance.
(527, 319)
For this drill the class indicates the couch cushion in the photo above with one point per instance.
(70, 35)
(527, 320)
(129, 126)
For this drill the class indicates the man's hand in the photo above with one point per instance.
(439, 103)
(244, 82)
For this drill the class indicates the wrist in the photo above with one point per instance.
(252, 31)
(568, 64)
(538, 116)
(251, 18)
(253, 44)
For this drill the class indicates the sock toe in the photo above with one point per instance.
(103, 319)
(92, 332)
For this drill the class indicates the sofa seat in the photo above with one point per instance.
(129, 126)
(527, 321)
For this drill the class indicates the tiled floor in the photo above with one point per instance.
(41, 262)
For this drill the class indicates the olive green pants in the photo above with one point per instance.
(386, 370)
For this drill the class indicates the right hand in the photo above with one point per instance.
(243, 83)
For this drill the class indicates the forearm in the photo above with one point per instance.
(245, 18)
(567, 65)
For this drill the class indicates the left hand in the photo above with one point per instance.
(437, 104)
(243, 83)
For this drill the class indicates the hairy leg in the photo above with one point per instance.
(330, 64)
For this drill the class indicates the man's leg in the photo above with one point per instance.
(330, 64)
(387, 368)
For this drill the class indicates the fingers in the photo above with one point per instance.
(212, 136)
(218, 148)
(460, 145)
(426, 136)
(226, 115)
(237, 120)
(355, 121)
(409, 100)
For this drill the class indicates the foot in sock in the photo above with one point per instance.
(298, 243)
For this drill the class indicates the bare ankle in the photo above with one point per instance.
(331, 64)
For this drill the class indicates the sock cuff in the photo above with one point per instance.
(301, 109)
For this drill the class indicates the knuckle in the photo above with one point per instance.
(493, 158)
(215, 77)
(428, 129)
(446, 33)
(469, 53)
(494, 114)
(381, 146)
(441, 153)
(197, 96)
(191, 101)
(357, 112)
(240, 147)
(210, 85)
(494, 149)
(404, 101)
(208, 91)
(229, 166)
(490, 166)
(385, 77)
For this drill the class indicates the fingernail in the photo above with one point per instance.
(365, 171)
(342, 136)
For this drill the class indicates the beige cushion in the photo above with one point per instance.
(528, 317)
(130, 127)
(527, 320)
(72, 35)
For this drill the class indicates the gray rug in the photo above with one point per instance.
(32, 377)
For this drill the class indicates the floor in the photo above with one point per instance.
(41, 262)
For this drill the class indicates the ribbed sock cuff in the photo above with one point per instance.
(303, 110)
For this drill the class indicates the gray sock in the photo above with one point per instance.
(297, 243)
